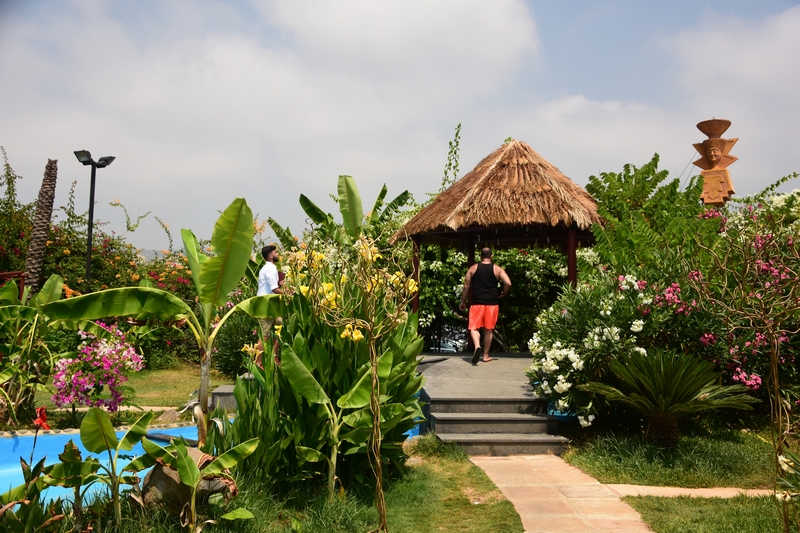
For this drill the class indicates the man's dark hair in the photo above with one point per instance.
(486, 253)
(265, 251)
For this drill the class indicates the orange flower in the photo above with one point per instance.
(41, 419)
(66, 252)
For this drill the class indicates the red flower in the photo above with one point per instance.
(41, 418)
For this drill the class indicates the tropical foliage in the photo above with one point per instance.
(665, 386)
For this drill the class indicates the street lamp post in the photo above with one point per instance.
(86, 158)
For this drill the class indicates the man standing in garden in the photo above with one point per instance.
(268, 283)
(480, 286)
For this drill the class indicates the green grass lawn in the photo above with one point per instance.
(726, 458)
(440, 492)
(710, 515)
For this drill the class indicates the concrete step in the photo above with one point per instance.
(521, 405)
(492, 423)
(501, 444)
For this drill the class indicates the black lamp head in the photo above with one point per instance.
(105, 161)
(84, 157)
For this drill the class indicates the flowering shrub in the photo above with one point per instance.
(99, 363)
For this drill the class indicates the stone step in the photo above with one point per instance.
(492, 423)
(222, 397)
(501, 444)
(521, 405)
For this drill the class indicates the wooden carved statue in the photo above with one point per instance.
(714, 160)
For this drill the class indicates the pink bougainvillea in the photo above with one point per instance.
(99, 364)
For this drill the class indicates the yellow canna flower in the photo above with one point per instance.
(304, 290)
(357, 336)
(412, 286)
(278, 329)
(343, 279)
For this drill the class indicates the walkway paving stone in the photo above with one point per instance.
(552, 496)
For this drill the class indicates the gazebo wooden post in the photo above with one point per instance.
(415, 271)
(572, 260)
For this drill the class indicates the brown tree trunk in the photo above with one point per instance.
(41, 226)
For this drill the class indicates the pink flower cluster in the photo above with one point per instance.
(100, 363)
(671, 296)
(753, 381)
(708, 339)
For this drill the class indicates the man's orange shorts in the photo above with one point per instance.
(483, 316)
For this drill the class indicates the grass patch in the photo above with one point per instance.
(440, 492)
(725, 459)
(709, 515)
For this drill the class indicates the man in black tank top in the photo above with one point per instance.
(481, 284)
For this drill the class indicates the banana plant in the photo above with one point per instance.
(98, 436)
(176, 456)
(22, 508)
(354, 222)
(214, 277)
(28, 360)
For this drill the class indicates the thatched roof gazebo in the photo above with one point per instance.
(514, 197)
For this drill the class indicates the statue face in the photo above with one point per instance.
(714, 154)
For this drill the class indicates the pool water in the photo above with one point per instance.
(50, 445)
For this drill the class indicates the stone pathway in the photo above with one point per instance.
(552, 496)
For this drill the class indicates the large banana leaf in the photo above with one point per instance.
(284, 234)
(232, 457)
(51, 291)
(136, 432)
(187, 468)
(358, 395)
(232, 241)
(265, 306)
(394, 206)
(317, 215)
(97, 433)
(350, 206)
(9, 293)
(375, 214)
(128, 301)
(301, 380)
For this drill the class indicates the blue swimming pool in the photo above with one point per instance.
(49, 445)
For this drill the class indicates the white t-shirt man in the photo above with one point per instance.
(267, 279)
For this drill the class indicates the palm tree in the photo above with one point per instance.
(41, 225)
(664, 386)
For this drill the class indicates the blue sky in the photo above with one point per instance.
(203, 101)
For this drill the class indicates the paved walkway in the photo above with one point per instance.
(552, 496)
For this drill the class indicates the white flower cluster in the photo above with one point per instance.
(562, 386)
(425, 319)
(637, 326)
(563, 272)
(535, 344)
(628, 282)
(588, 255)
(606, 305)
(586, 421)
(640, 350)
(611, 334)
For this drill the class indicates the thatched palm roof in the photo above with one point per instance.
(512, 187)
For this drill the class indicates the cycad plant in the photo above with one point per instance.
(665, 386)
